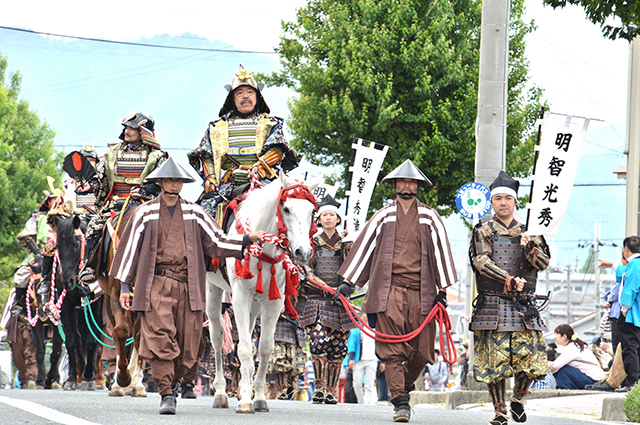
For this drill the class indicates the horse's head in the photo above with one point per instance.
(69, 243)
(296, 210)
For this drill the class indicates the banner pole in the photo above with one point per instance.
(535, 162)
(351, 164)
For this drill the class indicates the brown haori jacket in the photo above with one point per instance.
(135, 260)
(371, 258)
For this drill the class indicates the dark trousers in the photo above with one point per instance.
(615, 332)
(630, 340)
(570, 378)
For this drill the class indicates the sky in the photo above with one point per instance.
(582, 73)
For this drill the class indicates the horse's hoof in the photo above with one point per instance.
(123, 384)
(128, 391)
(220, 401)
(246, 407)
(39, 387)
(100, 387)
(54, 386)
(88, 386)
(139, 391)
(261, 406)
(69, 386)
(116, 392)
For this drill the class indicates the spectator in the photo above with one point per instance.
(463, 359)
(381, 383)
(576, 366)
(363, 362)
(437, 373)
(602, 351)
(615, 376)
(611, 298)
(629, 322)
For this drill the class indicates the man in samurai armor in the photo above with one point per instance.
(120, 175)
(325, 319)
(169, 235)
(84, 194)
(405, 255)
(506, 324)
(288, 361)
(244, 140)
(33, 238)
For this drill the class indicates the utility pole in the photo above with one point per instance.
(633, 139)
(491, 124)
(569, 319)
(595, 245)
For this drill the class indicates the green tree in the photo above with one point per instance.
(404, 74)
(617, 18)
(27, 157)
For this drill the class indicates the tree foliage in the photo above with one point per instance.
(617, 18)
(404, 74)
(27, 157)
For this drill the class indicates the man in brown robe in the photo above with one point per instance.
(161, 255)
(404, 254)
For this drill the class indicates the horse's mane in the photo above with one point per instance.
(64, 227)
(260, 200)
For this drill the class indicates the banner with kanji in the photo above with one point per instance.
(364, 175)
(561, 140)
(323, 190)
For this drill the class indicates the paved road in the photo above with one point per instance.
(37, 407)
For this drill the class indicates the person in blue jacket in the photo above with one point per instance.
(629, 325)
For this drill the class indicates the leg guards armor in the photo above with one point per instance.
(516, 405)
(319, 366)
(332, 377)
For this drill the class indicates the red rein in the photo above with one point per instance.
(296, 191)
(438, 312)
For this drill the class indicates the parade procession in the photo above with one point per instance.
(387, 221)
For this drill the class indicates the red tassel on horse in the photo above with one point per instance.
(290, 286)
(242, 270)
(259, 287)
(274, 292)
(215, 264)
(289, 310)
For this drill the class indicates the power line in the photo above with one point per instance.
(129, 43)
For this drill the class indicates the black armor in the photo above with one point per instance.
(499, 311)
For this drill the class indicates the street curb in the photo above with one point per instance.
(453, 399)
(613, 409)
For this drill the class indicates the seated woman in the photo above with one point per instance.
(576, 366)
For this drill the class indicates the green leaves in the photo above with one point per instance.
(378, 70)
(27, 157)
(625, 15)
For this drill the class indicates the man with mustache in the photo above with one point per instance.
(507, 327)
(405, 255)
(243, 141)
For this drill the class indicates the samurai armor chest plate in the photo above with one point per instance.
(130, 164)
(327, 266)
(509, 256)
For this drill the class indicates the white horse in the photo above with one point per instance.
(259, 212)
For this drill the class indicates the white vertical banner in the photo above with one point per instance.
(323, 190)
(561, 140)
(364, 175)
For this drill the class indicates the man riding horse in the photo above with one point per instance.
(246, 139)
(120, 175)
